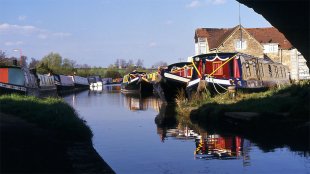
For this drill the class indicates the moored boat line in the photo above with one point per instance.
(16, 79)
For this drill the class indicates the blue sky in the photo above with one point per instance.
(97, 32)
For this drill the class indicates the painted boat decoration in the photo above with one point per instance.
(136, 82)
(15, 79)
(221, 70)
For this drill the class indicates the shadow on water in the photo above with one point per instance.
(230, 140)
(266, 134)
(165, 120)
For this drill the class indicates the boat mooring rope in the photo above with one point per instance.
(220, 86)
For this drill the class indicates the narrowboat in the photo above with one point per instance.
(15, 79)
(46, 84)
(63, 83)
(174, 78)
(95, 81)
(136, 82)
(240, 70)
(80, 82)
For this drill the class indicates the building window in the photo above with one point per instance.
(271, 48)
(200, 39)
(202, 48)
(240, 44)
(216, 65)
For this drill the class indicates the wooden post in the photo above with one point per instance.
(232, 91)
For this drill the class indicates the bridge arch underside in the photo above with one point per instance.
(291, 17)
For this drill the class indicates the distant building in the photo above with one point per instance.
(260, 42)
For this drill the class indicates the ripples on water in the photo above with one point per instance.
(135, 134)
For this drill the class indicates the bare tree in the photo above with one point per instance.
(117, 63)
(123, 63)
(3, 59)
(139, 63)
(130, 63)
(158, 64)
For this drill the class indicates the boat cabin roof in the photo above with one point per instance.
(10, 66)
(179, 64)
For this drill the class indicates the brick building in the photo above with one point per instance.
(260, 42)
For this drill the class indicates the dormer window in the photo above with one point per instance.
(240, 44)
(202, 46)
(271, 48)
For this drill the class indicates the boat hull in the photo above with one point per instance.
(9, 89)
(167, 89)
(137, 86)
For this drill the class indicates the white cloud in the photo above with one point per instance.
(215, 2)
(22, 17)
(29, 30)
(22, 29)
(218, 2)
(61, 34)
(152, 44)
(194, 4)
(11, 43)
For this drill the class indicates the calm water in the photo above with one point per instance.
(143, 135)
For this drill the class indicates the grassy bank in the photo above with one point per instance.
(50, 113)
(292, 100)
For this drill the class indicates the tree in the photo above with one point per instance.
(129, 63)
(139, 63)
(52, 62)
(33, 63)
(123, 63)
(111, 73)
(158, 64)
(3, 59)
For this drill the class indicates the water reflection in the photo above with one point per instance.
(104, 89)
(218, 142)
(214, 146)
(136, 102)
(158, 140)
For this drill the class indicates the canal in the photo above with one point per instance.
(143, 135)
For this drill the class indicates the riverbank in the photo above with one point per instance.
(289, 104)
(45, 136)
(279, 116)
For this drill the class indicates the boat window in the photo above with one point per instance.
(254, 69)
(276, 71)
(216, 65)
(261, 69)
(248, 70)
(270, 70)
(281, 73)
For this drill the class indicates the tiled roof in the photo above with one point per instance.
(216, 36)
(270, 35)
